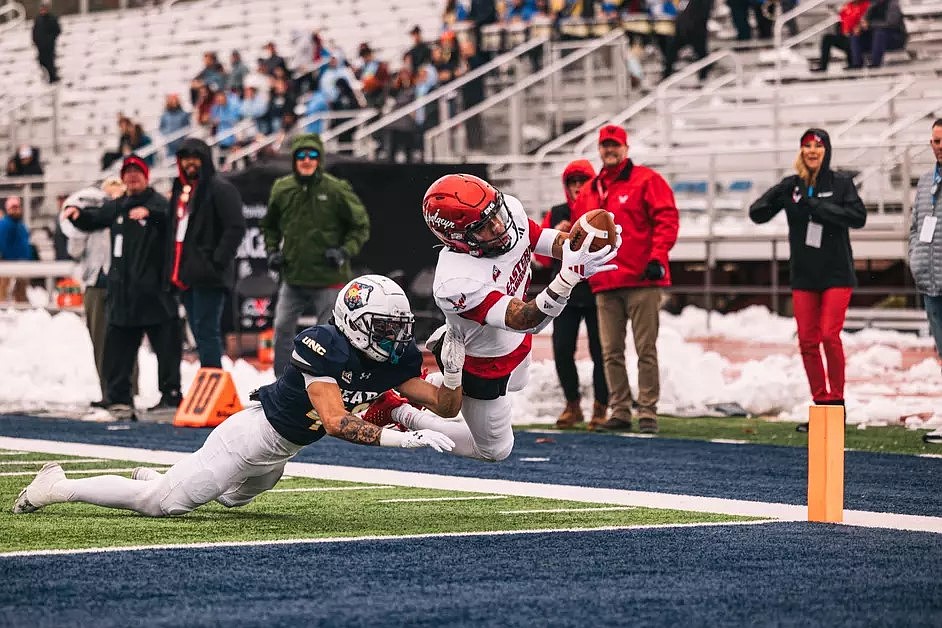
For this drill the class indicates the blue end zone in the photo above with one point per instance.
(879, 482)
(774, 574)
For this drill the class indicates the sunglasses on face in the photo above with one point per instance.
(307, 154)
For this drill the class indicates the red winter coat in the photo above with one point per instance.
(644, 206)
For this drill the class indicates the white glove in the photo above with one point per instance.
(617, 232)
(427, 438)
(452, 358)
(582, 264)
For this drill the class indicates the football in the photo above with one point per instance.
(598, 222)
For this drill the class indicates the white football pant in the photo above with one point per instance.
(242, 457)
(486, 432)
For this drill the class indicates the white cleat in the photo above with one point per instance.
(145, 474)
(40, 491)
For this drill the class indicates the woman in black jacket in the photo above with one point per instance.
(820, 205)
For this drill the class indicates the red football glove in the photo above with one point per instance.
(380, 411)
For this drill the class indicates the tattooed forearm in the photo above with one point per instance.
(356, 430)
(522, 316)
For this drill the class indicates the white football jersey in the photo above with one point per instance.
(467, 287)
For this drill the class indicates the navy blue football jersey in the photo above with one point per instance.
(322, 351)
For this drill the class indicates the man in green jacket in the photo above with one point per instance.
(315, 223)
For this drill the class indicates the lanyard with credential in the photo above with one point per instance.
(936, 184)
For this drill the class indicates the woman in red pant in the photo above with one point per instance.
(820, 205)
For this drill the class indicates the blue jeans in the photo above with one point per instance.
(934, 313)
(292, 301)
(204, 313)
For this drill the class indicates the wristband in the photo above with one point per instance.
(452, 380)
(548, 305)
(391, 438)
(563, 283)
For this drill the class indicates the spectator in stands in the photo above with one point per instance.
(690, 30)
(925, 239)
(339, 85)
(481, 13)
(581, 306)
(273, 61)
(520, 11)
(850, 17)
(206, 218)
(225, 114)
(739, 12)
(643, 204)
(25, 163)
(280, 102)
(820, 206)
(203, 105)
(137, 141)
(302, 61)
(138, 300)
(314, 225)
(316, 103)
(427, 117)
(403, 132)
(212, 75)
(235, 81)
(14, 246)
(92, 251)
(419, 53)
(45, 33)
(255, 107)
(472, 93)
(173, 119)
(444, 68)
(882, 28)
(373, 76)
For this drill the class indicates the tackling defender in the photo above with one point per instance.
(482, 276)
(336, 370)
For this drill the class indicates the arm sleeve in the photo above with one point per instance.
(359, 230)
(229, 206)
(662, 210)
(271, 222)
(850, 212)
(767, 206)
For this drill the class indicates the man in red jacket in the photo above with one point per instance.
(643, 204)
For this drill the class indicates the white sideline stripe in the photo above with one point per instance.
(76, 472)
(351, 539)
(929, 455)
(13, 453)
(327, 488)
(41, 462)
(620, 497)
(729, 441)
(552, 510)
(440, 499)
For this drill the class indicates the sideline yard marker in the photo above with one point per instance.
(826, 464)
(211, 399)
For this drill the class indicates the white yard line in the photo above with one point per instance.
(349, 539)
(729, 441)
(42, 462)
(717, 505)
(13, 453)
(554, 510)
(440, 499)
(327, 488)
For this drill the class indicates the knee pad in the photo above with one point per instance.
(495, 452)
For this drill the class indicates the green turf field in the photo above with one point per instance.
(297, 514)
(895, 439)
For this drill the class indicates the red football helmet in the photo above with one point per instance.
(469, 216)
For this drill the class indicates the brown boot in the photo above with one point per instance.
(599, 415)
(570, 416)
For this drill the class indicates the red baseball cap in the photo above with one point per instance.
(614, 133)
